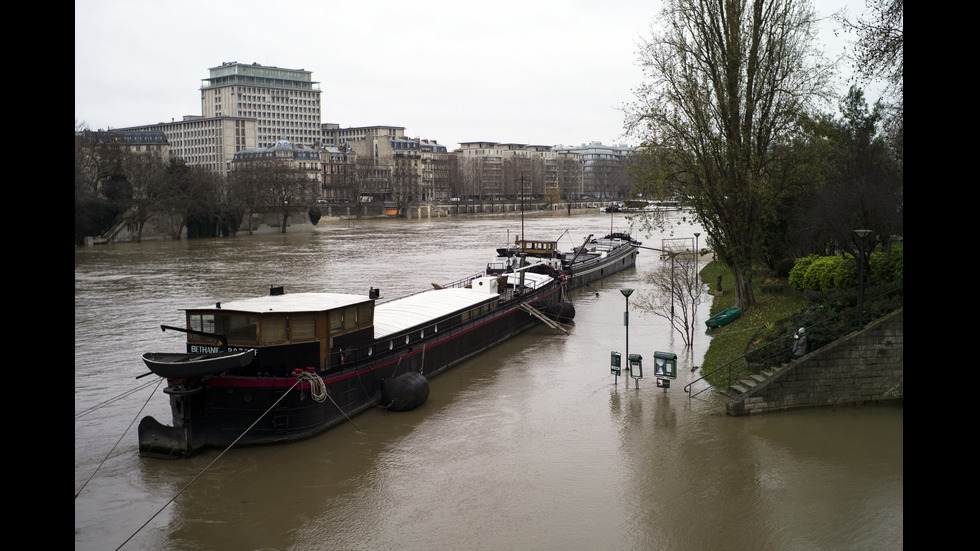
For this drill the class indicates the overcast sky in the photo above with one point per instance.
(543, 72)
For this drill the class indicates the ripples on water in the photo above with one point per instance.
(528, 446)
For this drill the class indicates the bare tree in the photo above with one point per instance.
(249, 186)
(674, 295)
(404, 186)
(289, 186)
(369, 178)
(727, 82)
(95, 160)
(475, 177)
(147, 178)
(880, 54)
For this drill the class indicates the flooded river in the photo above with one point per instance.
(531, 446)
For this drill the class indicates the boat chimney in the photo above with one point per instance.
(275, 291)
(374, 293)
(217, 305)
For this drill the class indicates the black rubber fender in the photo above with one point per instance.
(405, 392)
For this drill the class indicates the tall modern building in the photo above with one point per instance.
(284, 102)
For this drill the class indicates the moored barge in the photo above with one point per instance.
(286, 366)
(594, 259)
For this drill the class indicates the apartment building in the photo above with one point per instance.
(284, 102)
(298, 157)
(506, 171)
(338, 175)
(335, 136)
(154, 142)
(210, 143)
(437, 176)
(389, 166)
(604, 169)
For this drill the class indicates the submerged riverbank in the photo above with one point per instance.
(306, 219)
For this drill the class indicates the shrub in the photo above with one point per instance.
(887, 266)
(783, 267)
(820, 273)
(816, 273)
(314, 214)
(798, 273)
(845, 273)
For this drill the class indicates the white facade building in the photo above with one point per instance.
(284, 102)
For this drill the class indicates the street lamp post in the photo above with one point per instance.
(862, 236)
(697, 266)
(626, 322)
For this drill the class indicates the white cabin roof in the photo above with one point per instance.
(398, 315)
(290, 302)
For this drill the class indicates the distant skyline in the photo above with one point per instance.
(541, 72)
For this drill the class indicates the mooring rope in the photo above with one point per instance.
(215, 460)
(395, 369)
(135, 417)
(119, 397)
(318, 389)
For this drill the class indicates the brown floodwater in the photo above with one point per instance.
(533, 445)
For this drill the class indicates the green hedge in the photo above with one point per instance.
(820, 273)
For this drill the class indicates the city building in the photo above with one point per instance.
(437, 175)
(284, 102)
(388, 166)
(134, 141)
(244, 106)
(506, 171)
(338, 183)
(604, 174)
(297, 157)
(335, 136)
(207, 142)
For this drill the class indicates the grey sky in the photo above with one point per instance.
(535, 71)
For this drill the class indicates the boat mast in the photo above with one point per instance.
(522, 205)
(521, 251)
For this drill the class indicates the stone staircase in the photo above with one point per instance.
(751, 381)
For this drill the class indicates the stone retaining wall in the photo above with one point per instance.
(863, 367)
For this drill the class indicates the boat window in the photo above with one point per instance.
(236, 328)
(365, 314)
(274, 329)
(336, 320)
(302, 327)
(350, 317)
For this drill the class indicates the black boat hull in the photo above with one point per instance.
(619, 259)
(222, 410)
